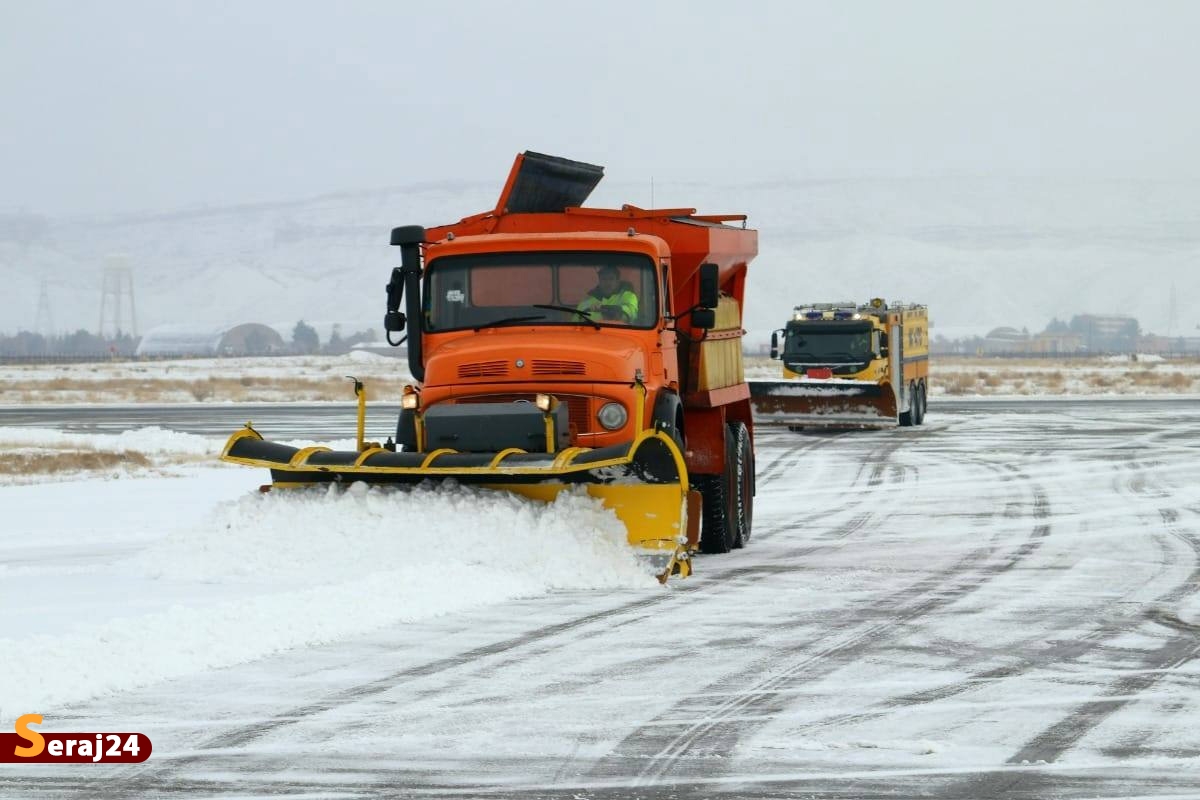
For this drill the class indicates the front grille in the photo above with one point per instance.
(483, 369)
(549, 367)
(577, 410)
(801, 368)
(578, 407)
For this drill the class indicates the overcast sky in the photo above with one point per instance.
(122, 105)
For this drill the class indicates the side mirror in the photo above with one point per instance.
(710, 291)
(774, 344)
(394, 321)
(704, 318)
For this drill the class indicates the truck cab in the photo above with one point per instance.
(834, 339)
(502, 321)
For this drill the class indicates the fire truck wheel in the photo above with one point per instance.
(743, 483)
(908, 418)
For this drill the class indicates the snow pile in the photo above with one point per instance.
(266, 573)
(152, 440)
(367, 357)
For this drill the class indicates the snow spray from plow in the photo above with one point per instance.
(644, 484)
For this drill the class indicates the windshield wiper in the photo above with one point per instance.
(583, 314)
(508, 321)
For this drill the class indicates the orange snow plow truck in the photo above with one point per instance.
(554, 347)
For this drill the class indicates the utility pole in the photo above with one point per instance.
(116, 287)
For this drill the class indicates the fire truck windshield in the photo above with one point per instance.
(814, 343)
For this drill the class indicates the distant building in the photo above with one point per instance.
(1005, 340)
(248, 339)
(1169, 345)
(1103, 334)
(1057, 343)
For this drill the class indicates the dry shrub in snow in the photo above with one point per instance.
(219, 388)
(78, 461)
(1179, 382)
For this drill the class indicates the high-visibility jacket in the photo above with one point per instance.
(623, 300)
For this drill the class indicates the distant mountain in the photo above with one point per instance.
(981, 252)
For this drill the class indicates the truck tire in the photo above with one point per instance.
(717, 528)
(743, 484)
(908, 417)
(919, 404)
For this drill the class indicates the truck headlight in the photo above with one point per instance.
(612, 416)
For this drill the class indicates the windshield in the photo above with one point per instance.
(814, 343)
(540, 288)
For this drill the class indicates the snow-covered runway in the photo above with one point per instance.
(1002, 603)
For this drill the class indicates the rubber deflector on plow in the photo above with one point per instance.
(823, 403)
(644, 482)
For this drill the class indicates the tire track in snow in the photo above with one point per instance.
(795, 456)
(718, 731)
(1149, 668)
(1030, 653)
(792, 457)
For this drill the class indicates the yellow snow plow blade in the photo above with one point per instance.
(823, 402)
(644, 483)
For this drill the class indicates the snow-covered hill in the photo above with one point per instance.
(982, 252)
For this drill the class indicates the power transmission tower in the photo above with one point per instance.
(115, 289)
(44, 323)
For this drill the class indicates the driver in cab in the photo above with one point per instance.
(612, 300)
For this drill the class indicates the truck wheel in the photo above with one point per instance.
(919, 404)
(717, 530)
(907, 417)
(743, 484)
